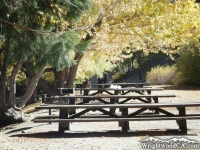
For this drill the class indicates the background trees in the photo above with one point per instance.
(188, 64)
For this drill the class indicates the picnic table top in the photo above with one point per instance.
(118, 89)
(136, 83)
(115, 96)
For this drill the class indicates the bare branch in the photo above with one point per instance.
(98, 19)
(82, 28)
(20, 26)
(75, 6)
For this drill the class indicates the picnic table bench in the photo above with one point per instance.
(128, 112)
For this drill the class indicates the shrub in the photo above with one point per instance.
(118, 76)
(161, 75)
(188, 64)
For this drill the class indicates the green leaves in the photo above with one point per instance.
(188, 64)
(63, 47)
(83, 46)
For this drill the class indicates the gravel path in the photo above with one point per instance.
(98, 136)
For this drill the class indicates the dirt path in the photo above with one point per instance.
(97, 136)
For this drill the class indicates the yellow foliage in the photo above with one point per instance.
(158, 23)
(49, 77)
(147, 25)
(92, 63)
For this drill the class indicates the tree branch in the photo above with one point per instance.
(20, 26)
(74, 6)
(49, 70)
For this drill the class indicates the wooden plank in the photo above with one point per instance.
(126, 84)
(121, 89)
(116, 96)
(118, 119)
(132, 105)
(65, 90)
(148, 115)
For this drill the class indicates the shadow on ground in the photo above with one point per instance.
(113, 133)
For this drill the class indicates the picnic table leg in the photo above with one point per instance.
(149, 92)
(85, 92)
(44, 99)
(125, 124)
(156, 101)
(63, 114)
(72, 102)
(81, 92)
(50, 114)
(182, 123)
(116, 93)
(149, 98)
(100, 87)
(112, 101)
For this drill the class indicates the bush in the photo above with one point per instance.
(118, 76)
(161, 75)
(188, 64)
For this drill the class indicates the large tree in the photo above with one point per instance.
(34, 34)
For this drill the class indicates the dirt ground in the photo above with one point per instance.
(98, 136)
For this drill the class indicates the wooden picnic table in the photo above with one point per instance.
(128, 112)
(111, 91)
(108, 90)
(66, 109)
(107, 99)
(104, 85)
(136, 84)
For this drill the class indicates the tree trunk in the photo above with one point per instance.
(12, 84)
(34, 98)
(3, 106)
(31, 88)
(45, 86)
(132, 66)
(139, 65)
(73, 71)
(3, 71)
(60, 79)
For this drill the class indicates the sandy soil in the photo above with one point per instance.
(98, 136)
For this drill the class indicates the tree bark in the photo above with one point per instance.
(139, 65)
(34, 98)
(12, 87)
(31, 88)
(3, 105)
(73, 71)
(60, 78)
(45, 86)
